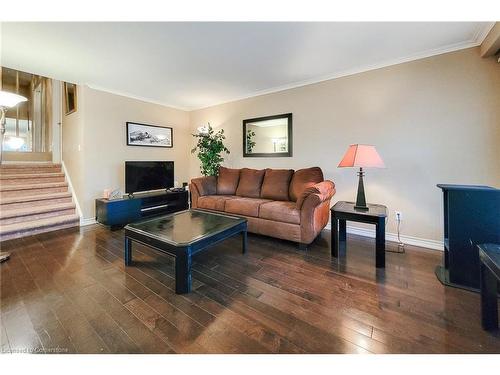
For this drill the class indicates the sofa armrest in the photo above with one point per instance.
(320, 192)
(315, 210)
(206, 185)
(202, 186)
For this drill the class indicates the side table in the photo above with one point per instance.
(343, 211)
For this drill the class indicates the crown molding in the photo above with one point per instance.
(477, 39)
(141, 98)
(482, 32)
(366, 68)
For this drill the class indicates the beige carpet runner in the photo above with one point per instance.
(34, 198)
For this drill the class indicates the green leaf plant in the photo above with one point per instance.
(209, 149)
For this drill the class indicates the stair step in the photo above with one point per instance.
(7, 191)
(36, 216)
(31, 200)
(32, 178)
(28, 165)
(32, 186)
(39, 200)
(27, 168)
(34, 198)
(4, 214)
(37, 212)
(28, 228)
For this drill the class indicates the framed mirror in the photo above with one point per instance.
(69, 98)
(269, 136)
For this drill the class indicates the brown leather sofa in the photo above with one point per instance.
(277, 202)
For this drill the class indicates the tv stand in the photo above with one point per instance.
(117, 213)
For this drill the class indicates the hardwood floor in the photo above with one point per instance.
(68, 291)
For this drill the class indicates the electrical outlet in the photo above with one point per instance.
(398, 215)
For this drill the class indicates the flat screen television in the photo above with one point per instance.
(148, 175)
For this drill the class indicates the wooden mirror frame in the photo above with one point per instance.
(288, 116)
(67, 105)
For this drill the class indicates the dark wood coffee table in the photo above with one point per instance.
(343, 211)
(182, 235)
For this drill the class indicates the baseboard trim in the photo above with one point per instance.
(72, 190)
(88, 221)
(410, 240)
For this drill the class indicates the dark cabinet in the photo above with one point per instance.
(119, 212)
(471, 217)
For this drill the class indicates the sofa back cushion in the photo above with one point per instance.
(276, 184)
(227, 182)
(303, 179)
(250, 183)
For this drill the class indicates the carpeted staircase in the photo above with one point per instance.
(34, 198)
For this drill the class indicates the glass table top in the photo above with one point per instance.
(492, 251)
(185, 227)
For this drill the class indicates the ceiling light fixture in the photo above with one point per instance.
(8, 99)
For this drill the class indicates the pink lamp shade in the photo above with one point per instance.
(363, 156)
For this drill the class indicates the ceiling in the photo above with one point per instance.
(194, 65)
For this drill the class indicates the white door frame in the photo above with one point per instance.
(57, 108)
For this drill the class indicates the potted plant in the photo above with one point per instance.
(210, 147)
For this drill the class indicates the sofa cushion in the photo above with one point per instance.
(285, 212)
(276, 183)
(250, 183)
(302, 179)
(244, 206)
(227, 182)
(214, 202)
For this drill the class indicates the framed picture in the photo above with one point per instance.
(149, 135)
(69, 98)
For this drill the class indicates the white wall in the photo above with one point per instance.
(95, 142)
(72, 146)
(56, 121)
(435, 120)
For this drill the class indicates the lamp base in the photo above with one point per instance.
(361, 208)
(360, 199)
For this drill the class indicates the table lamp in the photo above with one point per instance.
(362, 156)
